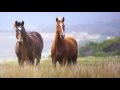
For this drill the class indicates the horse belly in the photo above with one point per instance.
(36, 45)
(72, 48)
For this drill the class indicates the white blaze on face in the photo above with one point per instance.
(19, 37)
(61, 24)
(61, 27)
(20, 28)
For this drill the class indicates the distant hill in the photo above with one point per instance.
(106, 48)
(84, 33)
(111, 28)
(97, 31)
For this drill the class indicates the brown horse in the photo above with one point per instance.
(64, 49)
(29, 45)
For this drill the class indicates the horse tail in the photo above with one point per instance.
(41, 39)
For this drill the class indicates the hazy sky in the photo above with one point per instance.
(34, 19)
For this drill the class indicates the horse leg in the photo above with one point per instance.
(63, 61)
(69, 62)
(21, 62)
(74, 60)
(54, 61)
(38, 60)
(60, 62)
(32, 62)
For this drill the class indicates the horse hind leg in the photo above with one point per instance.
(74, 60)
(21, 62)
(38, 60)
(69, 62)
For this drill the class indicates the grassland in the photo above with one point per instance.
(89, 67)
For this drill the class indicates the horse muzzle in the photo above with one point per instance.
(62, 36)
(20, 41)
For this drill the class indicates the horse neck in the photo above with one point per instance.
(25, 39)
(58, 41)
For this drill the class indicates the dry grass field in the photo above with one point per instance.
(88, 67)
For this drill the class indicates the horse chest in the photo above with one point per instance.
(24, 53)
(60, 53)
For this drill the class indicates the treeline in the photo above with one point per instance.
(109, 47)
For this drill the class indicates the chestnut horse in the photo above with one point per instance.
(64, 49)
(29, 45)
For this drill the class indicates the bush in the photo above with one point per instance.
(98, 48)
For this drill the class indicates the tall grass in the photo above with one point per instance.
(90, 67)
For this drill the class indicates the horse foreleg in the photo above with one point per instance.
(60, 62)
(63, 61)
(54, 61)
(38, 61)
(21, 62)
(31, 61)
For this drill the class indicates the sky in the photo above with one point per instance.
(42, 19)
(35, 19)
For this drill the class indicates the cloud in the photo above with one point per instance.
(108, 38)
(85, 36)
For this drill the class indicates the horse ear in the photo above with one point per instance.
(22, 23)
(56, 19)
(63, 19)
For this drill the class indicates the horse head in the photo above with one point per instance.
(60, 27)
